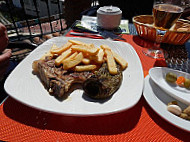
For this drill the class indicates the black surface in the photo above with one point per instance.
(14, 61)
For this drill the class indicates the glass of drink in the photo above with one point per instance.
(165, 14)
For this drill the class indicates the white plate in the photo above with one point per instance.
(27, 88)
(158, 100)
(158, 75)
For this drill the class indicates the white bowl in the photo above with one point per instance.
(158, 74)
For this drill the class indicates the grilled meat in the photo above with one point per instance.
(56, 80)
(98, 85)
(102, 84)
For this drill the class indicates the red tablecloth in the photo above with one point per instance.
(21, 123)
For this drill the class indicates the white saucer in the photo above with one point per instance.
(158, 100)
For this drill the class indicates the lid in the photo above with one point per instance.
(109, 10)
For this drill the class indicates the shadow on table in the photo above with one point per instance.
(98, 125)
(24, 114)
(93, 125)
(144, 43)
(174, 51)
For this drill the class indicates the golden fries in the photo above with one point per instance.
(104, 47)
(54, 47)
(120, 60)
(74, 52)
(86, 49)
(111, 62)
(63, 56)
(73, 62)
(100, 56)
(76, 42)
(85, 68)
(49, 54)
(117, 58)
(70, 57)
(46, 55)
(86, 61)
(61, 49)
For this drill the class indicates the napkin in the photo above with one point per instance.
(89, 24)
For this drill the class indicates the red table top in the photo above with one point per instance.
(22, 123)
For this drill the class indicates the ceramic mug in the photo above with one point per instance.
(109, 17)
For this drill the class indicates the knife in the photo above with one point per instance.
(104, 34)
(108, 34)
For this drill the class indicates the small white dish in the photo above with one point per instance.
(158, 75)
(158, 100)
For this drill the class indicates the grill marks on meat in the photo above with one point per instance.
(102, 84)
(59, 82)
(56, 80)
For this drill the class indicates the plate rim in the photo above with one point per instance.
(165, 88)
(80, 114)
(153, 102)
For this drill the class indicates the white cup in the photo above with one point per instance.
(109, 17)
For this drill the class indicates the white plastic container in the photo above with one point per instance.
(109, 17)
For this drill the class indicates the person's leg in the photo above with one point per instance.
(3, 93)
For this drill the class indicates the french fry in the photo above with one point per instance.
(111, 62)
(35, 66)
(90, 45)
(85, 49)
(76, 42)
(63, 56)
(70, 57)
(46, 54)
(86, 61)
(117, 58)
(120, 60)
(61, 49)
(54, 47)
(85, 68)
(75, 52)
(49, 53)
(73, 62)
(104, 47)
(100, 56)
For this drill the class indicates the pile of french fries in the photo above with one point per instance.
(81, 56)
